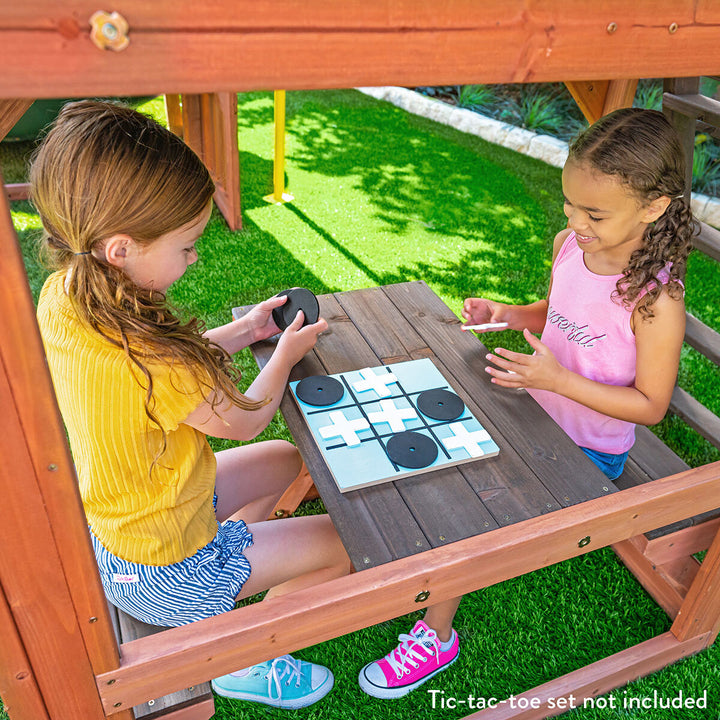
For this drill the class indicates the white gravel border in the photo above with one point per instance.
(542, 147)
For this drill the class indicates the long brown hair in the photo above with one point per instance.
(105, 169)
(642, 149)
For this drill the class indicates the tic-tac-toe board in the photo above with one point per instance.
(389, 422)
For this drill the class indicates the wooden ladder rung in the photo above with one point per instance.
(696, 415)
(708, 241)
(703, 338)
(701, 107)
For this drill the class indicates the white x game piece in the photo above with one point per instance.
(469, 441)
(393, 416)
(344, 428)
(371, 381)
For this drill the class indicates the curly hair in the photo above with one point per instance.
(105, 169)
(642, 149)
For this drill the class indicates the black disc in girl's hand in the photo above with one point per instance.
(412, 449)
(298, 299)
(440, 404)
(319, 390)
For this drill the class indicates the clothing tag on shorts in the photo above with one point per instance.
(120, 578)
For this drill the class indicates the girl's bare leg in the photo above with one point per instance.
(251, 478)
(440, 617)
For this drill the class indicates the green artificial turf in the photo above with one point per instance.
(382, 196)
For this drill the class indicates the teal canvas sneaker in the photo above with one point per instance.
(284, 682)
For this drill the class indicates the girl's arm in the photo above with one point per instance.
(257, 325)
(658, 343)
(518, 317)
(227, 420)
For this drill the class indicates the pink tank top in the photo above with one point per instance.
(588, 330)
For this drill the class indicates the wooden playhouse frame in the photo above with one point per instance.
(53, 612)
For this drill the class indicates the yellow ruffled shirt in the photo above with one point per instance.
(154, 518)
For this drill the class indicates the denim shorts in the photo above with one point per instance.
(611, 465)
(200, 586)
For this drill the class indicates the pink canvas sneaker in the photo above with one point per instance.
(416, 659)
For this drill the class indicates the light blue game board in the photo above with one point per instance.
(378, 403)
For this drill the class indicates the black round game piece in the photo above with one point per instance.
(412, 449)
(440, 404)
(319, 390)
(298, 299)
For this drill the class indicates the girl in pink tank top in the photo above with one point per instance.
(614, 319)
(612, 327)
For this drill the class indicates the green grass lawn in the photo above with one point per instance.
(380, 197)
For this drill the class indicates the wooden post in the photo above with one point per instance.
(684, 124)
(209, 123)
(48, 573)
(599, 97)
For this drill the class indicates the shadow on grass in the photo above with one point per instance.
(413, 172)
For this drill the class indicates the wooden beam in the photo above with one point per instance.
(234, 45)
(17, 191)
(600, 97)
(569, 691)
(183, 656)
(63, 619)
(18, 686)
(10, 112)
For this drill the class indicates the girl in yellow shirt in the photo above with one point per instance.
(123, 202)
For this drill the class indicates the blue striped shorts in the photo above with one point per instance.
(200, 586)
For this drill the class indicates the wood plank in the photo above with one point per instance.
(665, 594)
(650, 459)
(590, 97)
(444, 504)
(37, 480)
(699, 107)
(195, 695)
(507, 487)
(675, 84)
(11, 110)
(687, 541)
(237, 46)
(703, 338)
(563, 469)
(173, 112)
(696, 415)
(700, 612)
(17, 191)
(182, 656)
(708, 241)
(366, 522)
(595, 679)
(18, 687)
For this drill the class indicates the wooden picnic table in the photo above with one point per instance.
(539, 469)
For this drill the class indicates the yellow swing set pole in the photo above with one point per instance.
(279, 195)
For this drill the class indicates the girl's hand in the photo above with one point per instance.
(540, 371)
(478, 311)
(297, 340)
(259, 321)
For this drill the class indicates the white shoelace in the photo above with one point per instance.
(291, 668)
(413, 649)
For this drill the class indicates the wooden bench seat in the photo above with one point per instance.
(664, 558)
(193, 703)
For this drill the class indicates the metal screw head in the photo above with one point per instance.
(279, 513)
(611, 28)
(422, 596)
(52, 467)
(366, 560)
(442, 537)
(585, 541)
(92, 620)
(109, 31)
(673, 28)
